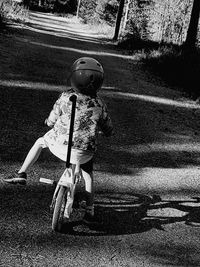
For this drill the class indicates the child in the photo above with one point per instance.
(91, 117)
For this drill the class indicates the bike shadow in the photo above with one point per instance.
(130, 217)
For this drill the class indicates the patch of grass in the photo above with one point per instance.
(134, 43)
(176, 68)
(167, 62)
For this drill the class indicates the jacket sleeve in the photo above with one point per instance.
(55, 113)
(105, 122)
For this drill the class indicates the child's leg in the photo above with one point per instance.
(20, 177)
(32, 155)
(89, 188)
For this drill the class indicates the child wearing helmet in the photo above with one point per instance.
(91, 117)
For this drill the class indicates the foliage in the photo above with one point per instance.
(10, 10)
(162, 21)
(98, 11)
(138, 20)
(107, 10)
(86, 11)
(58, 6)
(153, 20)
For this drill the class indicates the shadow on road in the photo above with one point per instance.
(120, 217)
(141, 140)
(26, 224)
(117, 213)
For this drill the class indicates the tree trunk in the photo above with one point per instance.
(78, 7)
(193, 26)
(118, 20)
(126, 14)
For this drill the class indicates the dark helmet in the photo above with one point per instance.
(87, 75)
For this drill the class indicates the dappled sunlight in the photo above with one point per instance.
(62, 33)
(180, 181)
(71, 23)
(107, 91)
(46, 15)
(162, 154)
(155, 99)
(170, 147)
(52, 19)
(170, 179)
(162, 147)
(67, 26)
(80, 51)
(32, 85)
(64, 27)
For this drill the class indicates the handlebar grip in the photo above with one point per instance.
(73, 98)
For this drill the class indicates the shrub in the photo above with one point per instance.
(107, 10)
(10, 10)
(98, 11)
(160, 21)
(87, 10)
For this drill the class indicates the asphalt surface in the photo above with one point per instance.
(146, 176)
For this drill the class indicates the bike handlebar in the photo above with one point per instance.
(71, 129)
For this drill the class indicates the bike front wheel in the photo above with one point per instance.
(59, 208)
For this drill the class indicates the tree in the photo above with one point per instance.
(126, 14)
(119, 18)
(193, 26)
(78, 8)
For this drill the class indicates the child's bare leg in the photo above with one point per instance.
(89, 188)
(32, 155)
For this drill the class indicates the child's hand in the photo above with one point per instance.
(48, 123)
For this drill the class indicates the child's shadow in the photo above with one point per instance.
(132, 217)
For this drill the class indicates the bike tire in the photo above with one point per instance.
(58, 213)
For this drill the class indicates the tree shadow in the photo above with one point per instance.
(142, 139)
(117, 213)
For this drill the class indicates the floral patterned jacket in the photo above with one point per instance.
(91, 116)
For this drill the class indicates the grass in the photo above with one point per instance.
(176, 68)
(167, 62)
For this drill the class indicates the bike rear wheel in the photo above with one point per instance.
(59, 208)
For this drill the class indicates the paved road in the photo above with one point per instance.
(155, 151)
